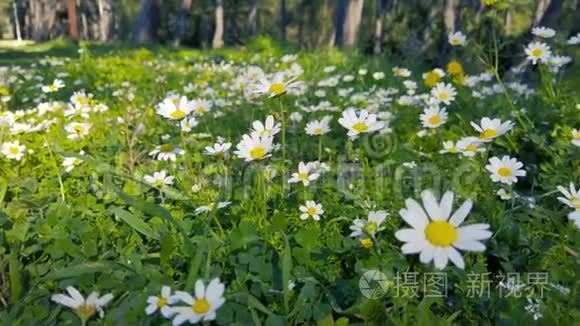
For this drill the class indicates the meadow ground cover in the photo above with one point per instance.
(256, 186)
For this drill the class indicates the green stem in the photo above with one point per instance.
(283, 124)
(55, 164)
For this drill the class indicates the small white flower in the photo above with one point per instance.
(77, 130)
(372, 225)
(13, 150)
(456, 39)
(469, 146)
(318, 127)
(202, 307)
(443, 93)
(311, 210)
(84, 308)
(218, 149)
(433, 117)
(175, 108)
(574, 40)
(55, 86)
(254, 147)
(70, 163)
(507, 170)
(492, 128)
(304, 175)
(538, 51)
(543, 32)
(365, 122)
(160, 303)
(378, 75)
(268, 128)
(503, 194)
(571, 198)
(576, 137)
(159, 179)
(449, 147)
(166, 152)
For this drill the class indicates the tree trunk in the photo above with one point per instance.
(106, 20)
(72, 19)
(541, 7)
(352, 22)
(182, 22)
(449, 16)
(551, 14)
(508, 22)
(218, 35)
(16, 22)
(378, 33)
(252, 17)
(147, 21)
(339, 19)
(283, 19)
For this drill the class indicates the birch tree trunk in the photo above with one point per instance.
(72, 19)
(352, 22)
(16, 22)
(252, 17)
(378, 32)
(218, 35)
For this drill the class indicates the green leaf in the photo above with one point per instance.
(194, 265)
(83, 269)
(286, 272)
(15, 267)
(243, 235)
(136, 223)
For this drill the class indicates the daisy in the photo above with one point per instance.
(507, 170)
(276, 86)
(369, 227)
(436, 235)
(456, 39)
(378, 75)
(187, 124)
(175, 108)
(401, 72)
(268, 128)
(295, 117)
(576, 137)
(201, 106)
(449, 146)
(304, 175)
(575, 217)
(571, 198)
(13, 150)
(538, 51)
(543, 32)
(364, 123)
(469, 146)
(159, 179)
(574, 40)
(318, 127)
(70, 163)
(84, 308)
(269, 173)
(166, 152)
(218, 149)
(254, 147)
(318, 167)
(311, 209)
(491, 128)
(77, 130)
(211, 206)
(443, 93)
(203, 306)
(55, 86)
(433, 117)
(503, 194)
(160, 303)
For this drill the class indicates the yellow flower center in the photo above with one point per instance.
(432, 78)
(200, 306)
(455, 41)
(434, 120)
(14, 150)
(85, 311)
(453, 150)
(443, 96)
(200, 109)
(488, 133)
(166, 148)
(441, 233)
(371, 228)
(162, 301)
(366, 243)
(311, 211)
(360, 127)
(277, 89)
(303, 176)
(471, 148)
(178, 114)
(537, 53)
(504, 171)
(317, 131)
(258, 153)
(454, 68)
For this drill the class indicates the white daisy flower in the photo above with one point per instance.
(503, 194)
(211, 206)
(575, 217)
(166, 152)
(175, 108)
(202, 307)
(436, 235)
(77, 130)
(160, 303)
(187, 124)
(318, 167)
(201, 106)
(491, 128)
(372, 225)
(159, 179)
(13, 150)
(456, 39)
(401, 72)
(443, 93)
(268, 128)
(85, 309)
(574, 40)
(218, 149)
(576, 137)
(507, 170)
(55, 86)
(543, 32)
(450, 147)
(70, 163)
(378, 75)
(433, 117)
(276, 86)
(311, 210)
(304, 175)
(318, 127)
(538, 51)
(571, 198)
(254, 147)
(364, 123)
(295, 117)
(469, 146)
